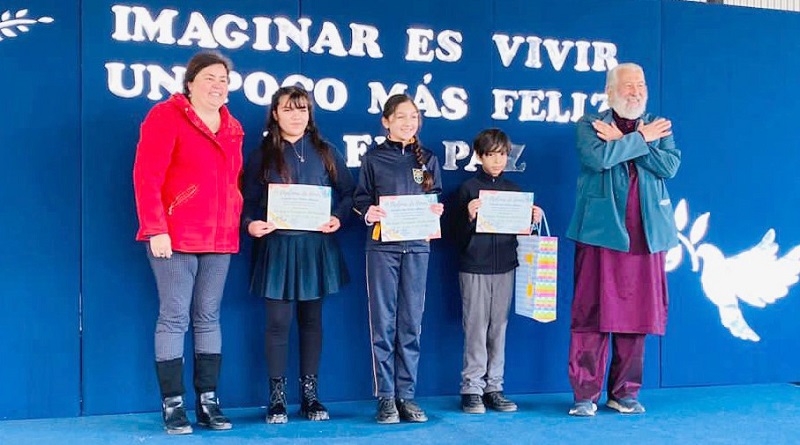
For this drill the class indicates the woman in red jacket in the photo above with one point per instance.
(185, 179)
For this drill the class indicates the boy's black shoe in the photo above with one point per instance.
(498, 402)
(472, 404)
(387, 411)
(410, 411)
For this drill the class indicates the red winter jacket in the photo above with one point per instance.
(186, 179)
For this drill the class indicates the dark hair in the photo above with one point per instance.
(491, 140)
(200, 61)
(272, 143)
(388, 110)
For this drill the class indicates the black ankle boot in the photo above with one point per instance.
(310, 406)
(206, 374)
(174, 414)
(209, 413)
(276, 412)
(173, 411)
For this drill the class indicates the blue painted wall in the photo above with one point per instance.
(732, 94)
(40, 136)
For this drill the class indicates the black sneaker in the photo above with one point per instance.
(387, 411)
(472, 404)
(498, 402)
(410, 411)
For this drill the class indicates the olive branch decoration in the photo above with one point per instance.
(690, 243)
(13, 24)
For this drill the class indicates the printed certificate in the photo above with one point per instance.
(299, 206)
(504, 212)
(409, 217)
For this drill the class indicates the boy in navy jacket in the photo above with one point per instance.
(486, 277)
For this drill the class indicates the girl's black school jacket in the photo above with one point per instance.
(391, 169)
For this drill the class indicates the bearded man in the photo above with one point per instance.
(623, 225)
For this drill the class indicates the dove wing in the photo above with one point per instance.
(759, 277)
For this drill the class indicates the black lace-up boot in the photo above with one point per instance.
(310, 406)
(276, 412)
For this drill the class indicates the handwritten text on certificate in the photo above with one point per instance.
(504, 212)
(409, 217)
(299, 206)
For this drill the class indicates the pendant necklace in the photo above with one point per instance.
(302, 154)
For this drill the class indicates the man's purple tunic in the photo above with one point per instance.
(616, 292)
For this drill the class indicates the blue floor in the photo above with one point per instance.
(758, 414)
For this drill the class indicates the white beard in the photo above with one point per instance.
(627, 111)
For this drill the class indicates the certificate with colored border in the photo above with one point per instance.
(409, 217)
(298, 206)
(504, 212)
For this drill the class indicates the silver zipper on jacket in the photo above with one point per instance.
(182, 197)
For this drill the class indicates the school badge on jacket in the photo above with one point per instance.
(18, 22)
(756, 276)
(417, 175)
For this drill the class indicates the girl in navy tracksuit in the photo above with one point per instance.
(396, 271)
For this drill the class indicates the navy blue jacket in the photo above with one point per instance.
(387, 170)
(311, 172)
(482, 253)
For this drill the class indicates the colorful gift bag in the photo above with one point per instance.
(535, 287)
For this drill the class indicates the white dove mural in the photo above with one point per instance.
(756, 276)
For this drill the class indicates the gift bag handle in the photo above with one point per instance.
(538, 227)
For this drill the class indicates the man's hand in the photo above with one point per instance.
(655, 130)
(607, 132)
